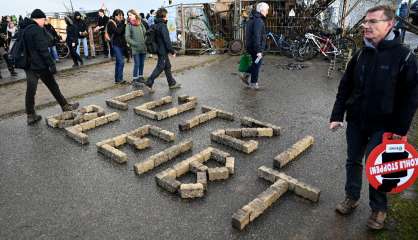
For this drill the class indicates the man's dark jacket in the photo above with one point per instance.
(255, 33)
(163, 37)
(379, 90)
(72, 34)
(37, 41)
(81, 24)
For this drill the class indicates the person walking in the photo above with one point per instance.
(40, 65)
(255, 33)
(82, 34)
(377, 93)
(55, 40)
(72, 42)
(164, 48)
(101, 27)
(135, 37)
(144, 21)
(116, 30)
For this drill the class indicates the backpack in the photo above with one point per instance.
(151, 40)
(18, 53)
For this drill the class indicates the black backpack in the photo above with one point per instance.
(151, 40)
(18, 54)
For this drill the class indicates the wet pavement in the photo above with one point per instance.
(53, 188)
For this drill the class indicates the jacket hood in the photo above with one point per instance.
(159, 20)
(393, 39)
(255, 14)
(26, 22)
(77, 14)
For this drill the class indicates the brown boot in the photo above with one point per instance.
(70, 107)
(376, 220)
(347, 206)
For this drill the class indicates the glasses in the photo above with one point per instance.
(373, 21)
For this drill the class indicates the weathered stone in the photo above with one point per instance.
(101, 121)
(66, 123)
(144, 166)
(219, 156)
(225, 115)
(249, 132)
(293, 152)
(168, 183)
(240, 219)
(201, 177)
(117, 104)
(230, 164)
(88, 125)
(145, 113)
(166, 173)
(52, 122)
(184, 126)
(203, 118)
(167, 136)
(109, 142)
(186, 146)
(112, 116)
(234, 132)
(256, 207)
(155, 131)
(193, 190)
(142, 143)
(113, 153)
(268, 197)
(160, 158)
(250, 146)
(172, 112)
(280, 186)
(265, 132)
(308, 192)
(77, 135)
(161, 115)
(198, 167)
(86, 109)
(266, 174)
(218, 173)
(119, 140)
(250, 122)
(181, 168)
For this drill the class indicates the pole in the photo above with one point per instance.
(183, 31)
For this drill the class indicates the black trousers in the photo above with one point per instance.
(48, 79)
(163, 64)
(74, 55)
(104, 43)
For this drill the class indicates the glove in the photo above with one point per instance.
(53, 69)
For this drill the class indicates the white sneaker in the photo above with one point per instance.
(254, 86)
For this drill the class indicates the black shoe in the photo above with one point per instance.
(70, 107)
(175, 86)
(149, 88)
(81, 63)
(75, 66)
(33, 118)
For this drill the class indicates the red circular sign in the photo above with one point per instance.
(392, 166)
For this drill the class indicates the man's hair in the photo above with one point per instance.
(161, 13)
(262, 6)
(387, 11)
(102, 11)
(152, 11)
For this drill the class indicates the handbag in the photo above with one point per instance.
(244, 62)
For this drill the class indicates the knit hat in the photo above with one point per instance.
(37, 13)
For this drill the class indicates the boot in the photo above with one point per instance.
(70, 107)
(33, 118)
(347, 206)
(376, 220)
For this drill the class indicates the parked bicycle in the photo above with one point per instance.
(331, 47)
(278, 43)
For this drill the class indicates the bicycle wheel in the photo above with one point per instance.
(63, 50)
(306, 52)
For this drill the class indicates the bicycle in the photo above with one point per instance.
(278, 43)
(313, 44)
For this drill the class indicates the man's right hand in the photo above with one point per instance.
(334, 126)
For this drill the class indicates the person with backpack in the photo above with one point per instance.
(158, 42)
(4, 55)
(72, 41)
(38, 64)
(255, 34)
(135, 37)
(82, 34)
(377, 93)
(116, 31)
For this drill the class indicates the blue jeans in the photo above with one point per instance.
(119, 54)
(85, 47)
(139, 59)
(254, 68)
(361, 142)
(54, 53)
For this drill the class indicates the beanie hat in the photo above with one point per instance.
(37, 13)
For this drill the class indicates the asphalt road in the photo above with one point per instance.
(53, 188)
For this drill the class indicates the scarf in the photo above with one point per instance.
(134, 22)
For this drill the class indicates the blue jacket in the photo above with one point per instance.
(255, 33)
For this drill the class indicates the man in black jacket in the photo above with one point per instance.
(101, 27)
(41, 65)
(164, 48)
(82, 34)
(256, 43)
(378, 93)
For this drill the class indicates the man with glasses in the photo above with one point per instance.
(378, 93)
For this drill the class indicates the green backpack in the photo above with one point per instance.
(245, 62)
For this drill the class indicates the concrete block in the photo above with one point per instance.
(250, 146)
(219, 156)
(211, 114)
(85, 126)
(166, 173)
(117, 104)
(109, 142)
(120, 140)
(186, 145)
(225, 115)
(256, 207)
(280, 187)
(218, 173)
(184, 126)
(268, 197)
(159, 158)
(52, 122)
(113, 153)
(112, 117)
(240, 219)
(170, 184)
(167, 136)
(162, 115)
(77, 135)
(142, 144)
(308, 192)
(201, 177)
(172, 112)
(265, 132)
(155, 131)
(181, 168)
(249, 132)
(145, 113)
(198, 167)
(234, 132)
(293, 152)
(266, 174)
(101, 121)
(144, 166)
(193, 190)
(230, 164)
